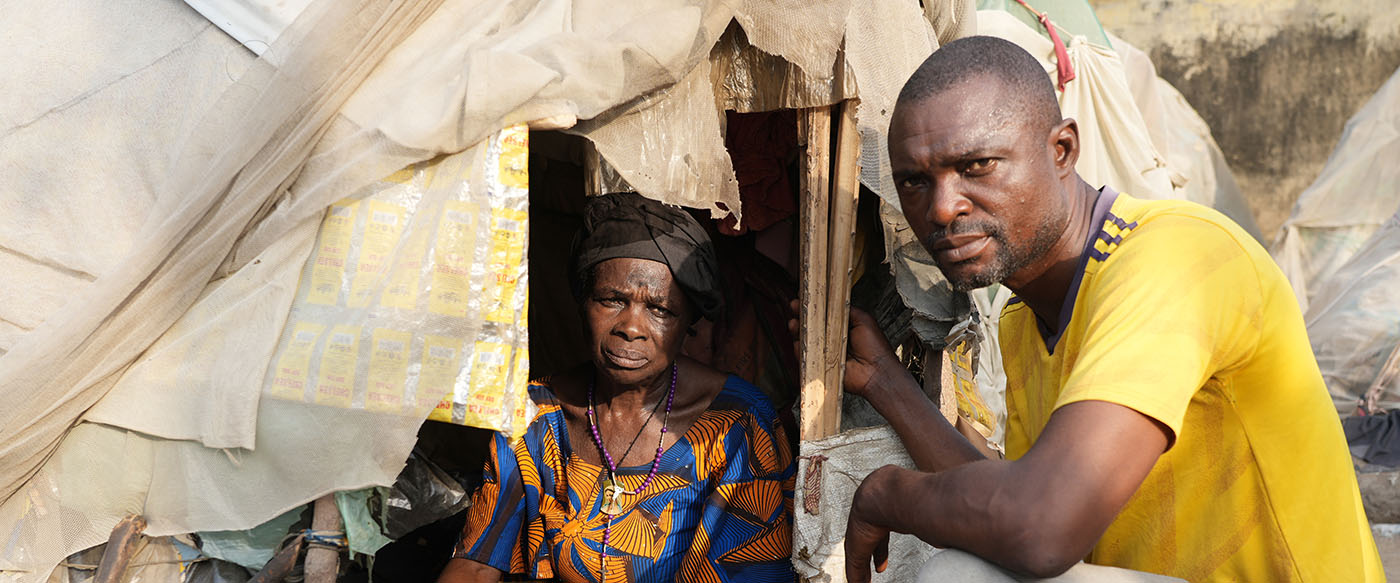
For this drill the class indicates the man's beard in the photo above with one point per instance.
(1006, 258)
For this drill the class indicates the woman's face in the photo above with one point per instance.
(636, 316)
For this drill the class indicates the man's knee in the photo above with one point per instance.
(956, 565)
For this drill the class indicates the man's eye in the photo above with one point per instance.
(661, 312)
(912, 182)
(980, 166)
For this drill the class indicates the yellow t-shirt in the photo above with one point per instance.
(1181, 316)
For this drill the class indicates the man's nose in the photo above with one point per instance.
(949, 202)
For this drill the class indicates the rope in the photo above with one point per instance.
(331, 539)
(812, 484)
(1063, 69)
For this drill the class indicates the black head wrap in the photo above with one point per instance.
(626, 224)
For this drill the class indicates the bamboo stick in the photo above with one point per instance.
(845, 196)
(814, 129)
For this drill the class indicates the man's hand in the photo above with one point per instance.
(866, 540)
(870, 361)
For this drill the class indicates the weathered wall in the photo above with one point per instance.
(1275, 79)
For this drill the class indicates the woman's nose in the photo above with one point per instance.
(630, 324)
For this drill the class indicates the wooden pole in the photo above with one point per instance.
(845, 196)
(814, 130)
(322, 563)
(120, 547)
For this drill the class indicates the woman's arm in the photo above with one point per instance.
(468, 571)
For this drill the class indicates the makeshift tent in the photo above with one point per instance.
(1350, 200)
(191, 230)
(1343, 257)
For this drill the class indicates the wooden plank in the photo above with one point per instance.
(814, 131)
(845, 195)
(120, 547)
(323, 562)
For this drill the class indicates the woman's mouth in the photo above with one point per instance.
(628, 359)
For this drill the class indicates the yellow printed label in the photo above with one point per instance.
(383, 224)
(289, 381)
(401, 290)
(388, 369)
(520, 382)
(452, 259)
(442, 359)
(515, 157)
(484, 403)
(508, 227)
(332, 249)
(336, 383)
(970, 404)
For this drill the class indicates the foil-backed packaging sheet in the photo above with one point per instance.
(413, 300)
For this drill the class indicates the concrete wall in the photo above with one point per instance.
(1275, 79)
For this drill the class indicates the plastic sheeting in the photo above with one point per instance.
(1353, 319)
(1351, 198)
(202, 175)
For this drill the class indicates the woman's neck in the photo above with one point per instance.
(625, 397)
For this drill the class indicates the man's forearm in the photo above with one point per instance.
(931, 441)
(976, 507)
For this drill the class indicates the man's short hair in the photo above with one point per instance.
(975, 57)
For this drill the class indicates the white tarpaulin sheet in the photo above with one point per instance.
(1351, 198)
(1344, 264)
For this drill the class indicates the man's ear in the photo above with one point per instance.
(1064, 141)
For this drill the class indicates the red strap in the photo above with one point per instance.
(1064, 70)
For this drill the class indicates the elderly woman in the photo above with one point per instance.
(584, 496)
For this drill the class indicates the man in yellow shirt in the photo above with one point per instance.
(1165, 412)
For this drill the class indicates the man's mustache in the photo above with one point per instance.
(964, 227)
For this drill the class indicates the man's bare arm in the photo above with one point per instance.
(874, 373)
(460, 570)
(1037, 515)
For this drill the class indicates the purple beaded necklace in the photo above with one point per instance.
(612, 491)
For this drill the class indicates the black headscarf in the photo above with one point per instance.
(626, 224)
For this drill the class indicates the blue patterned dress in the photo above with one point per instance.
(719, 509)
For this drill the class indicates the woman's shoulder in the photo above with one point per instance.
(742, 396)
(542, 394)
